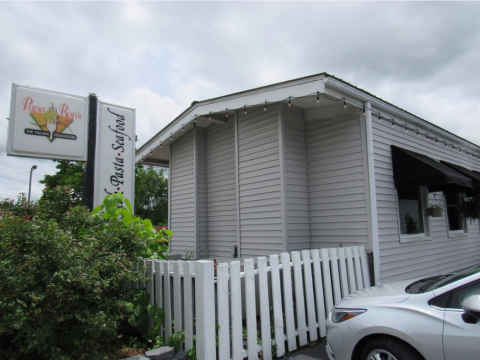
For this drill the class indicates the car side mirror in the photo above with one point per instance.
(471, 306)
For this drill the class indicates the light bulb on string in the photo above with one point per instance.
(171, 137)
(393, 123)
(428, 138)
(244, 109)
(406, 127)
(210, 115)
(379, 117)
(226, 113)
(265, 106)
(445, 143)
(161, 145)
(417, 132)
(436, 140)
(195, 119)
(344, 103)
(318, 97)
(364, 112)
(289, 102)
(151, 152)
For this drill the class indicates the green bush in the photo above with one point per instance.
(65, 274)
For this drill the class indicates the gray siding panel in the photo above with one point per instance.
(222, 208)
(298, 236)
(338, 208)
(259, 183)
(419, 258)
(182, 195)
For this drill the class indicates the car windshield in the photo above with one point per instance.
(435, 282)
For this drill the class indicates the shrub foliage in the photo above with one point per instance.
(65, 274)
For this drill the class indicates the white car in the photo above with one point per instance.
(435, 318)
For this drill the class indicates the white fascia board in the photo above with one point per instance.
(256, 97)
(379, 104)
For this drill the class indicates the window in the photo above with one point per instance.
(454, 298)
(455, 221)
(411, 207)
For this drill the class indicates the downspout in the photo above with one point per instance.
(375, 244)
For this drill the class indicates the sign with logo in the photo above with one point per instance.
(115, 152)
(47, 124)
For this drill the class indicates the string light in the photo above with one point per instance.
(380, 117)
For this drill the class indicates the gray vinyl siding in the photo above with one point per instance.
(202, 201)
(298, 236)
(259, 183)
(182, 195)
(221, 187)
(442, 253)
(338, 209)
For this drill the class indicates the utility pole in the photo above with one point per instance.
(30, 182)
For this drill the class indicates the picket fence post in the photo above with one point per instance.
(205, 310)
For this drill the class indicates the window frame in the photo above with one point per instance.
(426, 235)
(456, 233)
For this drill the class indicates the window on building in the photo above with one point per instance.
(455, 221)
(411, 207)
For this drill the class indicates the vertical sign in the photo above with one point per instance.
(47, 124)
(115, 152)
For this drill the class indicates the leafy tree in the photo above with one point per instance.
(151, 194)
(69, 175)
(151, 189)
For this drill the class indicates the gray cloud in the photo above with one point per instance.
(160, 56)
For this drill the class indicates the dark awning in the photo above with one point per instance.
(472, 175)
(411, 169)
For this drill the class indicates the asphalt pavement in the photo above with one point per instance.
(316, 352)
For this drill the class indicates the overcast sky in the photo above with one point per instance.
(158, 57)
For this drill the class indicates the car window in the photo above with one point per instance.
(461, 294)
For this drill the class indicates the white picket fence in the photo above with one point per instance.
(294, 303)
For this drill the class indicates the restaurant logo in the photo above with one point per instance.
(52, 122)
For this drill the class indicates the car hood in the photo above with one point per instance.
(382, 294)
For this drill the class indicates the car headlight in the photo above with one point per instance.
(341, 315)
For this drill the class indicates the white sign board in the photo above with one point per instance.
(47, 124)
(115, 152)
